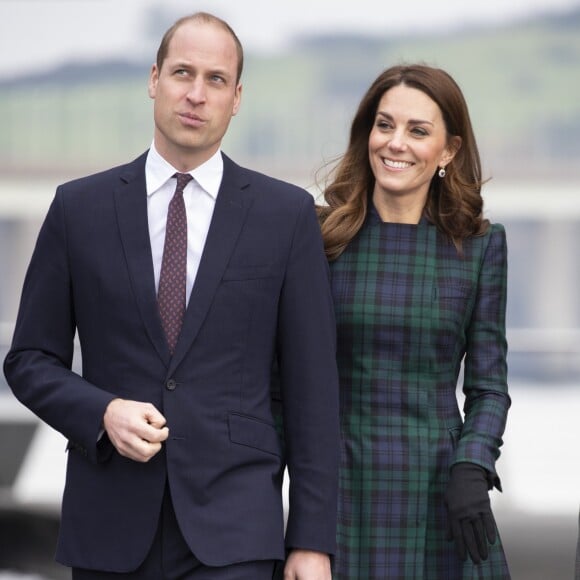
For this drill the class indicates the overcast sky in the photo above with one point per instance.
(35, 34)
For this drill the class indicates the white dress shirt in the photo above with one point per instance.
(199, 195)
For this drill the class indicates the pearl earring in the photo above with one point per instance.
(442, 172)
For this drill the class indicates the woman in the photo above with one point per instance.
(419, 283)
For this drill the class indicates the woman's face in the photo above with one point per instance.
(407, 143)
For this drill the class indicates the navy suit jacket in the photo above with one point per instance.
(261, 293)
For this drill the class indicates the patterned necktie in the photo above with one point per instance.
(172, 280)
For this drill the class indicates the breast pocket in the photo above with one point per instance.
(244, 296)
(248, 272)
(246, 287)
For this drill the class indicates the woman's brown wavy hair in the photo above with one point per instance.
(454, 203)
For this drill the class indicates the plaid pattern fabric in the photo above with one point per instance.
(408, 309)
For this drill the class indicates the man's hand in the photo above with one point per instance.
(135, 429)
(307, 565)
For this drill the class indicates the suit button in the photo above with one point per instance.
(171, 384)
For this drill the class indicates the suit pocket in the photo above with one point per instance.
(252, 432)
(248, 272)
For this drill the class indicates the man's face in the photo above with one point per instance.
(196, 94)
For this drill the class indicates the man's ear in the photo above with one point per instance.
(153, 78)
(237, 99)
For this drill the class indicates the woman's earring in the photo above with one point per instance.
(442, 172)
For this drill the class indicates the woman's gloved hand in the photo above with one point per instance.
(471, 524)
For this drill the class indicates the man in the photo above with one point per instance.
(174, 465)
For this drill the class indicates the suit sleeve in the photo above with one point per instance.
(38, 365)
(309, 389)
(485, 379)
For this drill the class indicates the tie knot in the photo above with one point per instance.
(182, 180)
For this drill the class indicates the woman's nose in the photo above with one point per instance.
(397, 141)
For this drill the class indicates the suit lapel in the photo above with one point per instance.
(232, 204)
(131, 204)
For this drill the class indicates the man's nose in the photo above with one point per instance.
(197, 91)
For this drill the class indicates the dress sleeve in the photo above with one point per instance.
(485, 377)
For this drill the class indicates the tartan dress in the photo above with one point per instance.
(408, 309)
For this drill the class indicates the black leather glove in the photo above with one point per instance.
(470, 521)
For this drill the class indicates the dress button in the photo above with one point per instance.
(171, 384)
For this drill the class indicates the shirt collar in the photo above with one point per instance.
(208, 175)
